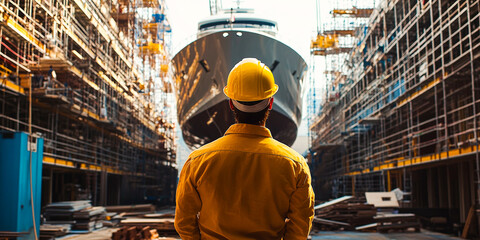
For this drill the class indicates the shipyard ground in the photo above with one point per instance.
(423, 235)
(106, 233)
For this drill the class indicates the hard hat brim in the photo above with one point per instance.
(233, 96)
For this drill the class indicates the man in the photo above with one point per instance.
(245, 185)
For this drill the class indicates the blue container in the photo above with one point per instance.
(158, 17)
(15, 200)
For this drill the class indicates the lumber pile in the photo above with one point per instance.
(164, 224)
(62, 212)
(135, 228)
(378, 212)
(343, 214)
(132, 210)
(89, 219)
(137, 233)
(397, 222)
(387, 218)
(78, 215)
(49, 231)
(354, 214)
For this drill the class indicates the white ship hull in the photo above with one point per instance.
(201, 71)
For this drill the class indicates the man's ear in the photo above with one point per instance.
(231, 104)
(270, 105)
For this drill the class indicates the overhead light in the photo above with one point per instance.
(239, 34)
(225, 34)
(212, 118)
(77, 54)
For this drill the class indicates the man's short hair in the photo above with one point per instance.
(256, 118)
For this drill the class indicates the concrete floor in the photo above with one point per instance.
(101, 234)
(344, 235)
(106, 233)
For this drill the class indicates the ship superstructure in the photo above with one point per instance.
(202, 67)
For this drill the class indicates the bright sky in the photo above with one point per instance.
(296, 19)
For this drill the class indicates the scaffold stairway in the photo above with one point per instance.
(407, 191)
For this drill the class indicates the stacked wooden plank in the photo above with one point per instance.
(79, 215)
(163, 224)
(89, 219)
(378, 212)
(137, 233)
(134, 209)
(344, 214)
(353, 213)
(387, 218)
(49, 231)
(397, 222)
(136, 228)
(62, 212)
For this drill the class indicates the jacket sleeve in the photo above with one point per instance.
(188, 205)
(301, 209)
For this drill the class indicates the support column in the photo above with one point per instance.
(430, 188)
(449, 188)
(50, 187)
(353, 185)
(389, 182)
(461, 194)
(103, 188)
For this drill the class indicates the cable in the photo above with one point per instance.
(31, 161)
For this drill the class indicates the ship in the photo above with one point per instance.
(202, 68)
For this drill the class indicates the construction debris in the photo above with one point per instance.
(329, 225)
(382, 199)
(395, 222)
(348, 213)
(335, 201)
(343, 212)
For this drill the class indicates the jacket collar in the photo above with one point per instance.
(242, 128)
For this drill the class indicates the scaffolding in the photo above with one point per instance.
(333, 43)
(78, 62)
(407, 116)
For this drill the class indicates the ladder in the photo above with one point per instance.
(407, 187)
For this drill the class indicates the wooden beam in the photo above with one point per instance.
(389, 182)
(468, 222)
(449, 187)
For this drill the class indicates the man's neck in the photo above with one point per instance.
(261, 125)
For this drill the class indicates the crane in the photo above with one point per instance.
(215, 6)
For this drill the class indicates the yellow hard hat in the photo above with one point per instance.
(250, 80)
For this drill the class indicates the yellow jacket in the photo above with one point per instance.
(244, 185)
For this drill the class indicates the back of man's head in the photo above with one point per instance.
(250, 87)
